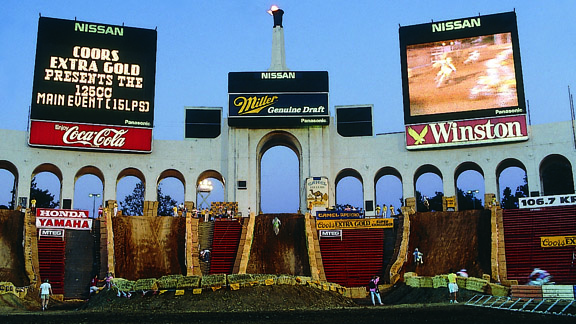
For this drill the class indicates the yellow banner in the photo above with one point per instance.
(355, 223)
(557, 241)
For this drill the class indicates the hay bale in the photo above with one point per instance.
(303, 280)
(168, 282)
(188, 282)
(286, 280)
(145, 284)
(217, 280)
(412, 281)
(426, 282)
(440, 281)
(476, 284)
(498, 290)
(123, 284)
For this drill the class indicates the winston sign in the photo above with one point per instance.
(466, 132)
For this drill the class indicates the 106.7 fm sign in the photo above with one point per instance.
(93, 86)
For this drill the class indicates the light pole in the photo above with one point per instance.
(473, 192)
(94, 196)
(204, 187)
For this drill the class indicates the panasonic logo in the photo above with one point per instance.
(455, 24)
(278, 75)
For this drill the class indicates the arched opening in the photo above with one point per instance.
(428, 188)
(46, 186)
(211, 190)
(388, 186)
(170, 192)
(512, 183)
(89, 194)
(470, 187)
(279, 173)
(349, 190)
(556, 175)
(130, 192)
(8, 185)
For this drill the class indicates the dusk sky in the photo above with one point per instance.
(199, 42)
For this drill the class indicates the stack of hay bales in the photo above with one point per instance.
(123, 284)
(440, 281)
(145, 284)
(188, 282)
(168, 282)
(213, 281)
(476, 284)
(415, 281)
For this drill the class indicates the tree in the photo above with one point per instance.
(510, 201)
(43, 198)
(467, 201)
(165, 203)
(434, 203)
(133, 204)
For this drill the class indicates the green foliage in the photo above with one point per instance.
(43, 197)
(434, 203)
(133, 204)
(165, 203)
(467, 201)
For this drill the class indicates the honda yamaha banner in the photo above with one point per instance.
(63, 219)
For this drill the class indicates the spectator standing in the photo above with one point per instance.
(377, 210)
(45, 292)
(374, 291)
(452, 287)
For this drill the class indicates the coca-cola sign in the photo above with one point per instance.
(466, 132)
(96, 137)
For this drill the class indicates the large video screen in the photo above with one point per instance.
(461, 69)
(93, 86)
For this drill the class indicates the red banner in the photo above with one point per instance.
(94, 137)
(466, 132)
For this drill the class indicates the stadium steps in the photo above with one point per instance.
(224, 245)
(51, 258)
(352, 260)
(523, 229)
(205, 235)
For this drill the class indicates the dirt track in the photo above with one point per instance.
(11, 250)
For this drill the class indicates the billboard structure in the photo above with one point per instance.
(93, 86)
(278, 99)
(462, 82)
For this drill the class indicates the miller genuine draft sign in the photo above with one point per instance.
(93, 86)
(278, 99)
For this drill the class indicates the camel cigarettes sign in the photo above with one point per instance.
(354, 224)
(317, 192)
(63, 219)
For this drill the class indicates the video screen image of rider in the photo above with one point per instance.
(460, 75)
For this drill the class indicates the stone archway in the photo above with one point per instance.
(271, 140)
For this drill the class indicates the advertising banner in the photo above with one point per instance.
(58, 134)
(317, 193)
(63, 219)
(558, 241)
(355, 223)
(93, 74)
(338, 215)
(278, 99)
(330, 233)
(547, 201)
(466, 132)
(46, 232)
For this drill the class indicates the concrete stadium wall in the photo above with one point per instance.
(236, 155)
